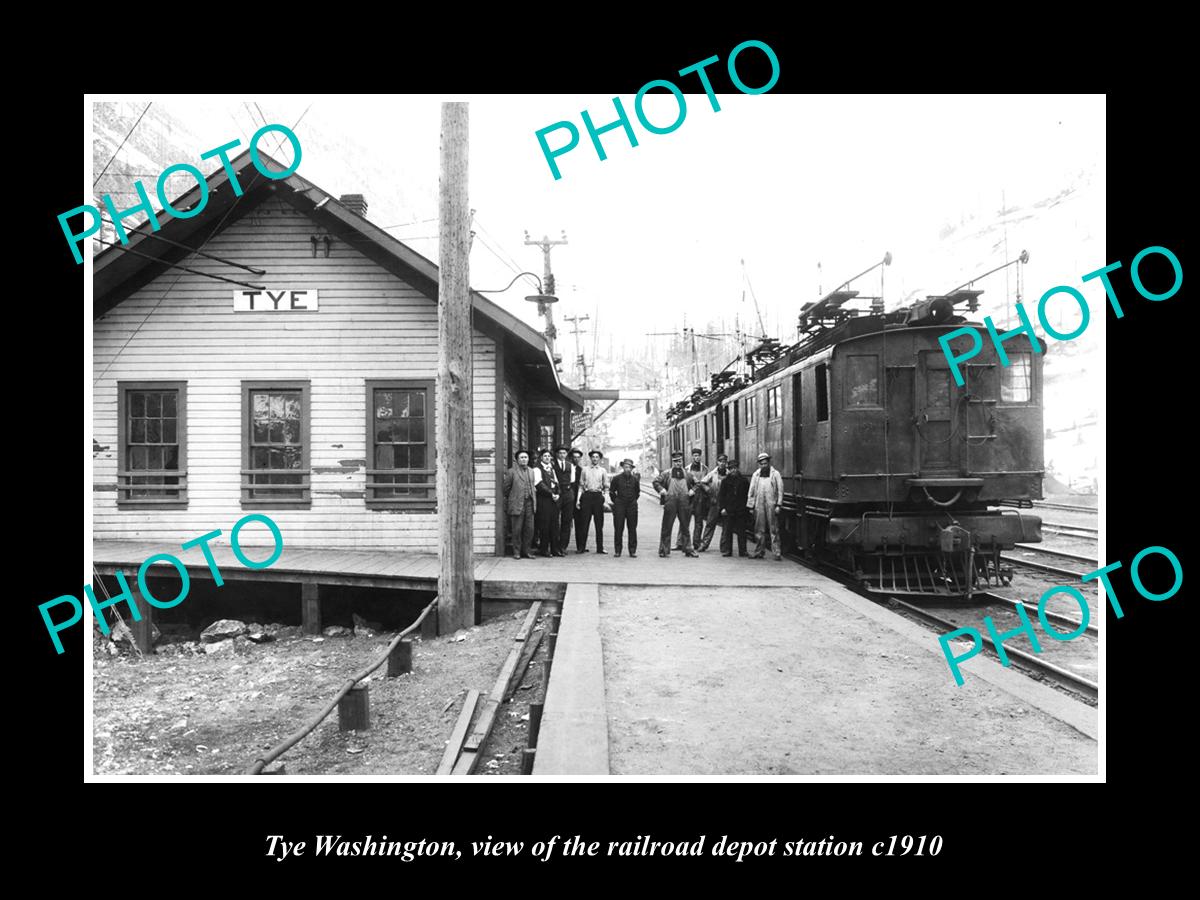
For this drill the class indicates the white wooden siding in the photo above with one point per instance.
(371, 325)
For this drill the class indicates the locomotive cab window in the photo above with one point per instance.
(1016, 379)
(862, 381)
(751, 402)
(822, 384)
(981, 382)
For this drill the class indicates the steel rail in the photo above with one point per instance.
(1033, 548)
(1067, 679)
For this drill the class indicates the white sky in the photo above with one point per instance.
(781, 181)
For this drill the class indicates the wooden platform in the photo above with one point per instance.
(496, 578)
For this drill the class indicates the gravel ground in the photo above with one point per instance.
(788, 681)
(184, 712)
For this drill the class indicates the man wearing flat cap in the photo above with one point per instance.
(675, 487)
(593, 488)
(764, 503)
(698, 507)
(624, 489)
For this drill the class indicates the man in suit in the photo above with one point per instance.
(577, 459)
(520, 489)
(625, 489)
(567, 474)
(548, 493)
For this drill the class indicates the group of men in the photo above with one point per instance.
(559, 492)
(701, 501)
(544, 500)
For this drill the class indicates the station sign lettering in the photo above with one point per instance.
(274, 301)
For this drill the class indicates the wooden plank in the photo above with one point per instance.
(524, 590)
(527, 652)
(454, 745)
(530, 621)
(483, 726)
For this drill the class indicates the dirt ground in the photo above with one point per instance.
(184, 712)
(783, 681)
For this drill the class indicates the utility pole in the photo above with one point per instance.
(547, 282)
(455, 468)
(575, 329)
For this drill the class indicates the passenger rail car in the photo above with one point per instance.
(892, 472)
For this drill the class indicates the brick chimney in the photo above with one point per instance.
(356, 203)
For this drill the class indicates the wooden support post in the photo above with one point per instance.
(429, 626)
(354, 710)
(527, 756)
(535, 724)
(143, 628)
(400, 659)
(455, 415)
(554, 621)
(310, 607)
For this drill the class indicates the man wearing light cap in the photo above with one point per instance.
(764, 503)
(675, 487)
(625, 489)
(712, 486)
(593, 488)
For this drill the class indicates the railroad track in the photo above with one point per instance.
(1083, 534)
(1059, 618)
(1038, 504)
(1061, 554)
(1044, 567)
(1084, 528)
(1076, 684)
(1031, 664)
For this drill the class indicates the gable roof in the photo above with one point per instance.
(118, 271)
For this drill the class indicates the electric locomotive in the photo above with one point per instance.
(893, 472)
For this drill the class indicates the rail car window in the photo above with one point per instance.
(152, 463)
(1016, 379)
(725, 415)
(862, 381)
(751, 402)
(275, 443)
(822, 392)
(773, 407)
(937, 388)
(400, 419)
(981, 382)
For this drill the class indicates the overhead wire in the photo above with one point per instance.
(211, 234)
(122, 144)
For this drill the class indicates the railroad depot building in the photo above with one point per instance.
(312, 400)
